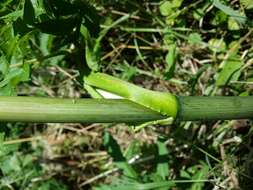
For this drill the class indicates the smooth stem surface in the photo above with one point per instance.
(51, 110)
(194, 108)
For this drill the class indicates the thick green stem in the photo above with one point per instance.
(51, 110)
(194, 108)
(32, 109)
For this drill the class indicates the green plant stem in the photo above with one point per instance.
(50, 110)
(194, 108)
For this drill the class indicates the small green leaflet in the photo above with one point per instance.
(229, 11)
(199, 174)
(168, 7)
(195, 38)
(13, 77)
(248, 4)
(4, 65)
(230, 71)
(90, 54)
(171, 62)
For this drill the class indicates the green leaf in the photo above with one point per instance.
(29, 13)
(198, 13)
(13, 15)
(10, 164)
(4, 65)
(91, 54)
(16, 75)
(194, 38)
(162, 161)
(168, 7)
(217, 45)
(232, 24)
(199, 174)
(25, 76)
(114, 151)
(126, 184)
(185, 174)
(247, 4)
(219, 18)
(11, 75)
(1, 138)
(132, 149)
(230, 70)
(3, 149)
(7, 90)
(229, 11)
(171, 62)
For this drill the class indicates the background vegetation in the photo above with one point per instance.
(186, 47)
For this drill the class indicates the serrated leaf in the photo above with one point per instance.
(232, 24)
(7, 90)
(11, 48)
(168, 7)
(10, 164)
(219, 18)
(195, 38)
(230, 70)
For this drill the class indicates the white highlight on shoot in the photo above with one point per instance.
(108, 95)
